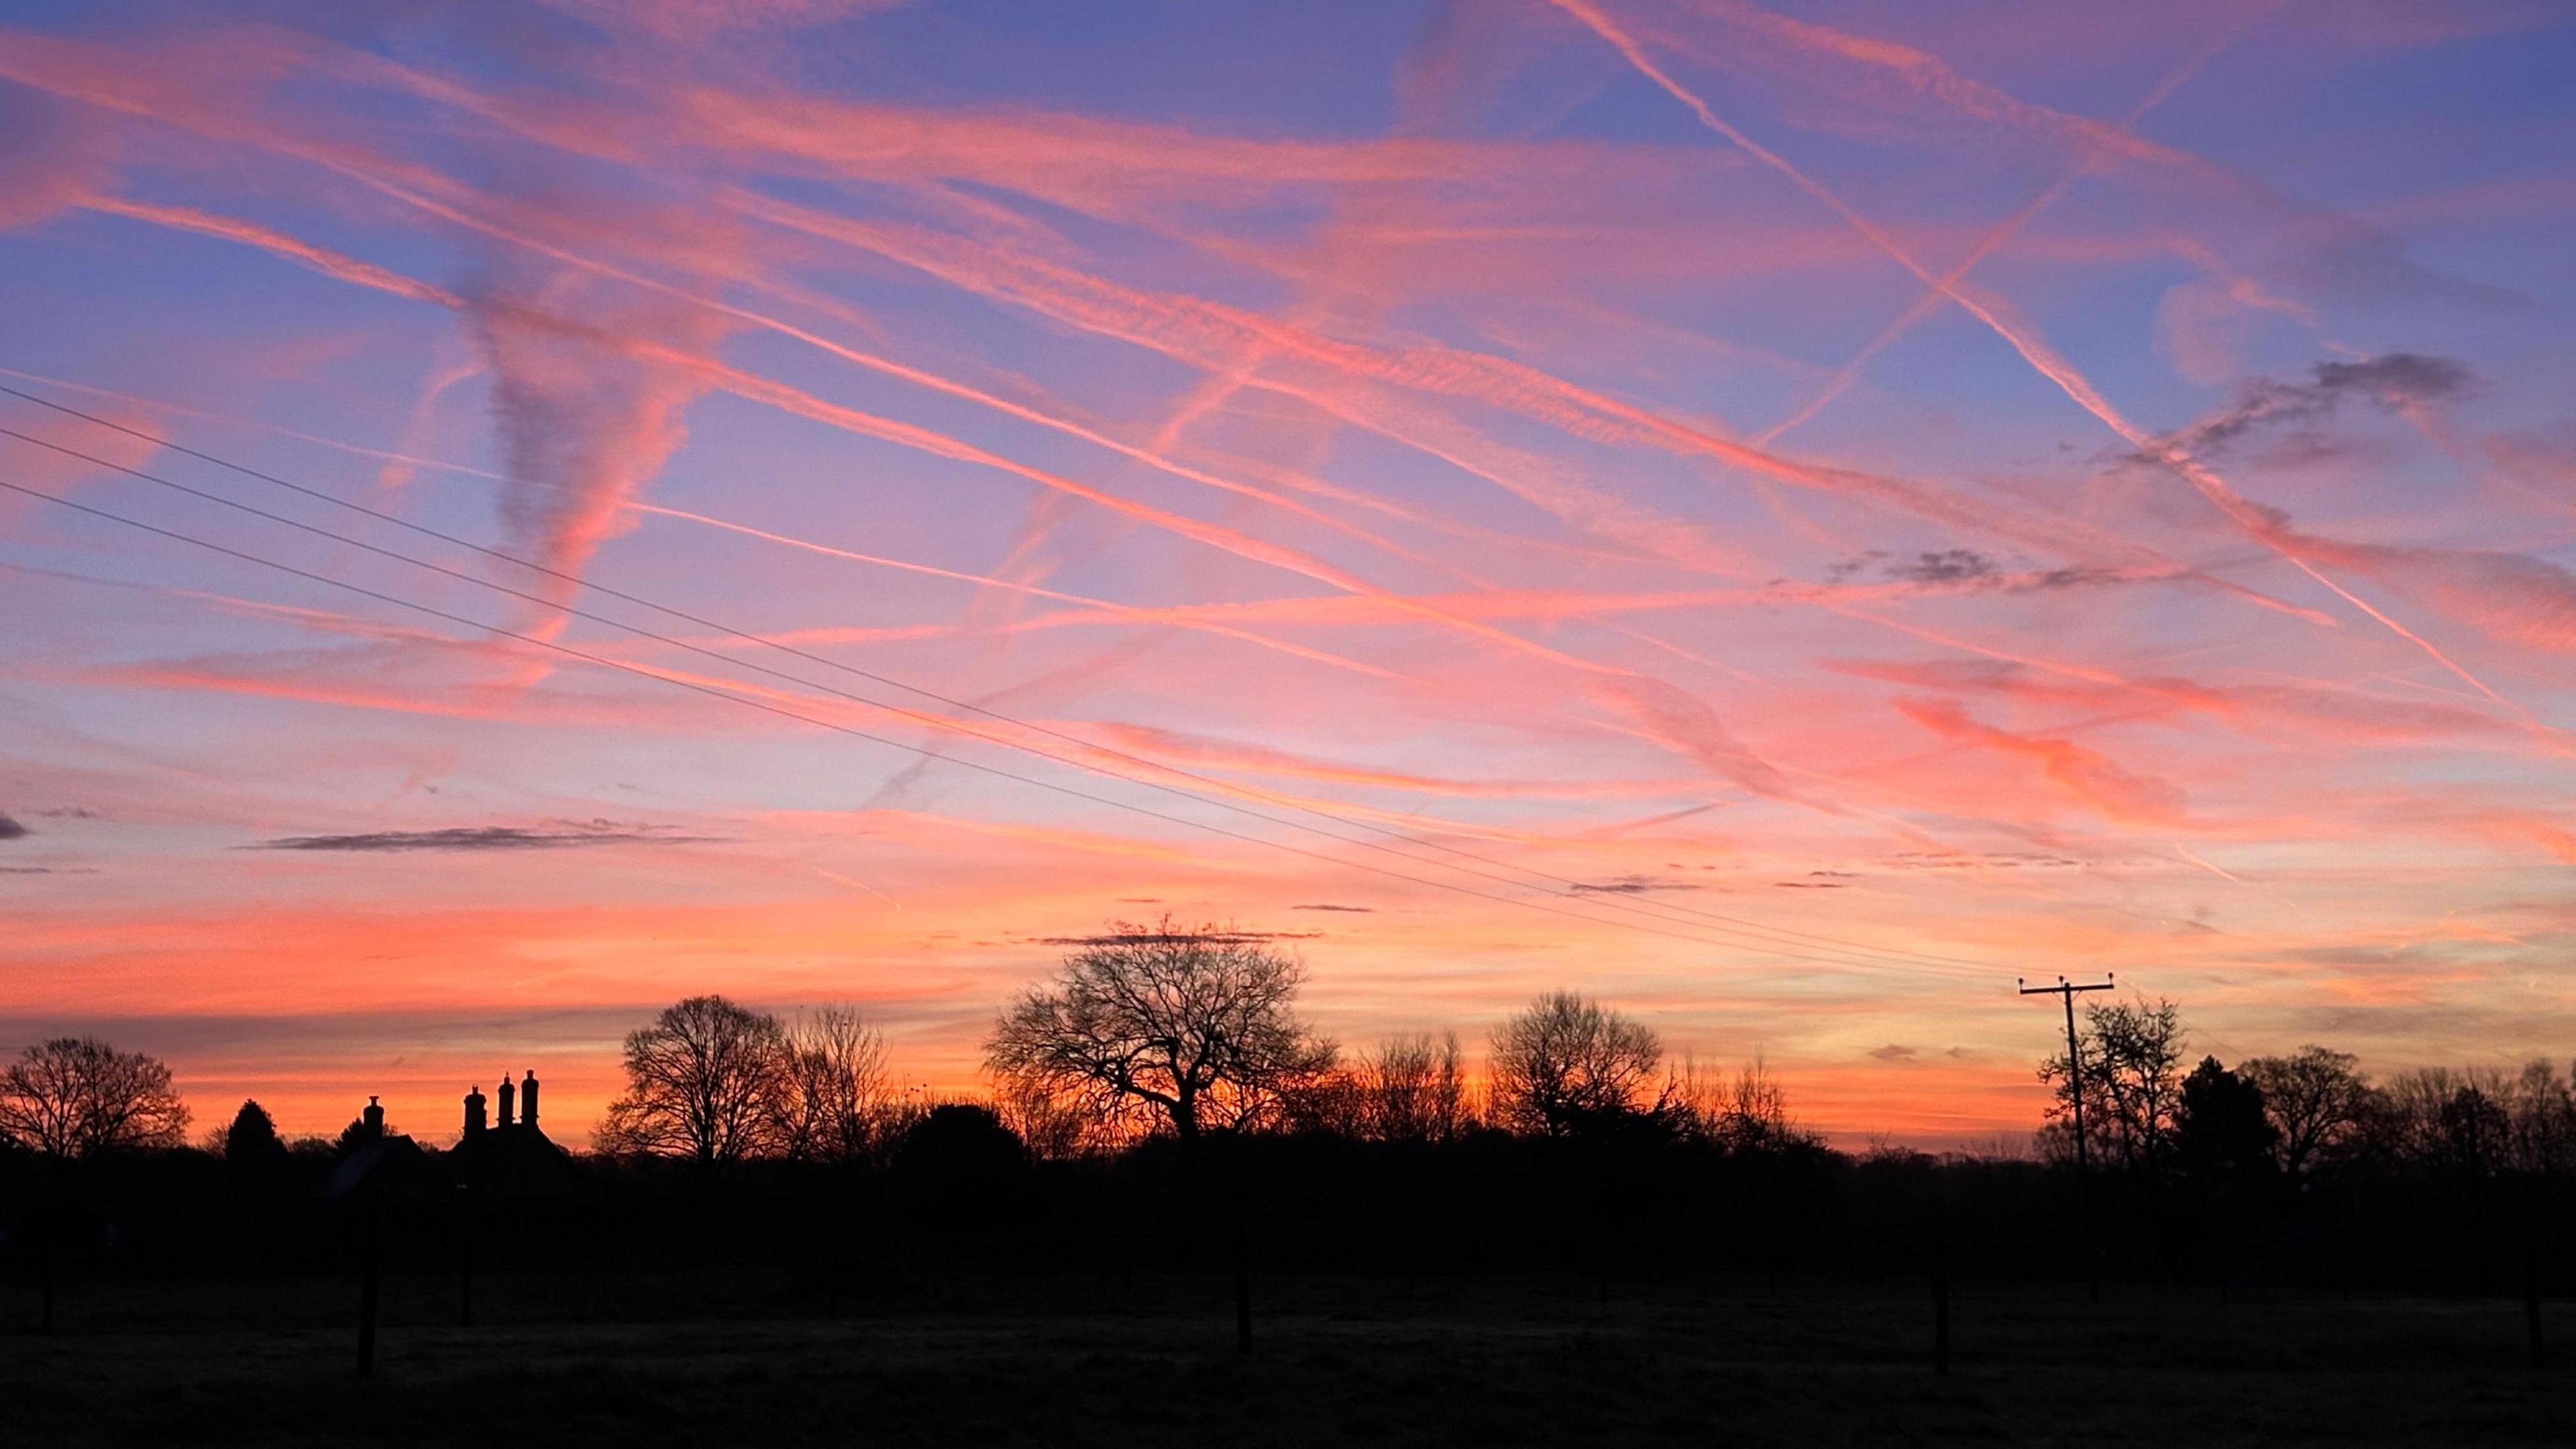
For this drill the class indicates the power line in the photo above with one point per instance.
(1665, 911)
(713, 691)
(936, 720)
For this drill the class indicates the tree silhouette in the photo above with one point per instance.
(703, 1081)
(252, 1140)
(829, 1101)
(2540, 1107)
(1746, 1111)
(2318, 1105)
(2221, 1130)
(1163, 1026)
(959, 1137)
(1055, 1126)
(2132, 1083)
(78, 1096)
(1567, 1065)
(2474, 1131)
(959, 1165)
(1413, 1089)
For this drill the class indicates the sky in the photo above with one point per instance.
(1785, 519)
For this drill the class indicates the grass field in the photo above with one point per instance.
(1080, 1361)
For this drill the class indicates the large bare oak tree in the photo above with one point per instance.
(702, 1082)
(1164, 1026)
(1567, 1064)
(75, 1096)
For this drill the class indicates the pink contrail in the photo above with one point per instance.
(765, 390)
(2254, 521)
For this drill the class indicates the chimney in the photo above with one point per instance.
(474, 1113)
(374, 1117)
(506, 1094)
(528, 1101)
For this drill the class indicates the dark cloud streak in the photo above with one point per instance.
(2390, 381)
(1949, 566)
(1172, 938)
(1633, 885)
(487, 837)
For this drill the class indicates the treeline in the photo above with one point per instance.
(1161, 1093)
(1169, 1032)
(2292, 1122)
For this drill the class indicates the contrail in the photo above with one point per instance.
(1140, 613)
(248, 233)
(2185, 853)
(788, 399)
(1202, 333)
(2246, 515)
(1133, 612)
(1672, 433)
(1849, 373)
(761, 389)
(873, 362)
(337, 161)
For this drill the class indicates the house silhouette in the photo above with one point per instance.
(510, 1157)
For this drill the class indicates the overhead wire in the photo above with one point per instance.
(1762, 936)
(713, 691)
(1766, 937)
(1667, 910)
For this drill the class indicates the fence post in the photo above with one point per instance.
(373, 1245)
(1242, 1283)
(2531, 1299)
(1941, 1272)
(465, 1271)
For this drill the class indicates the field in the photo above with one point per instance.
(1125, 1360)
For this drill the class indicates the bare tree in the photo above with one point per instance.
(1743, 1111)
(2442, 1119)
(1056, 1126)
(77, 1096)
(2317, 1103)
(2132, 1082)
(1163, 1026)
(702, 1081)
(2543, 1108)
(829, 1104)
(1567, 1064)
(1413, 1089)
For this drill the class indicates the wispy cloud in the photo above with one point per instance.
(1949, 566)
(491, 837)
(2392, 381)
(1634, 885)
(1166, 938)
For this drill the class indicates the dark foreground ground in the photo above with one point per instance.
(571, 1360)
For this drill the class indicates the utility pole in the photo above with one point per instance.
(2065, 990)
